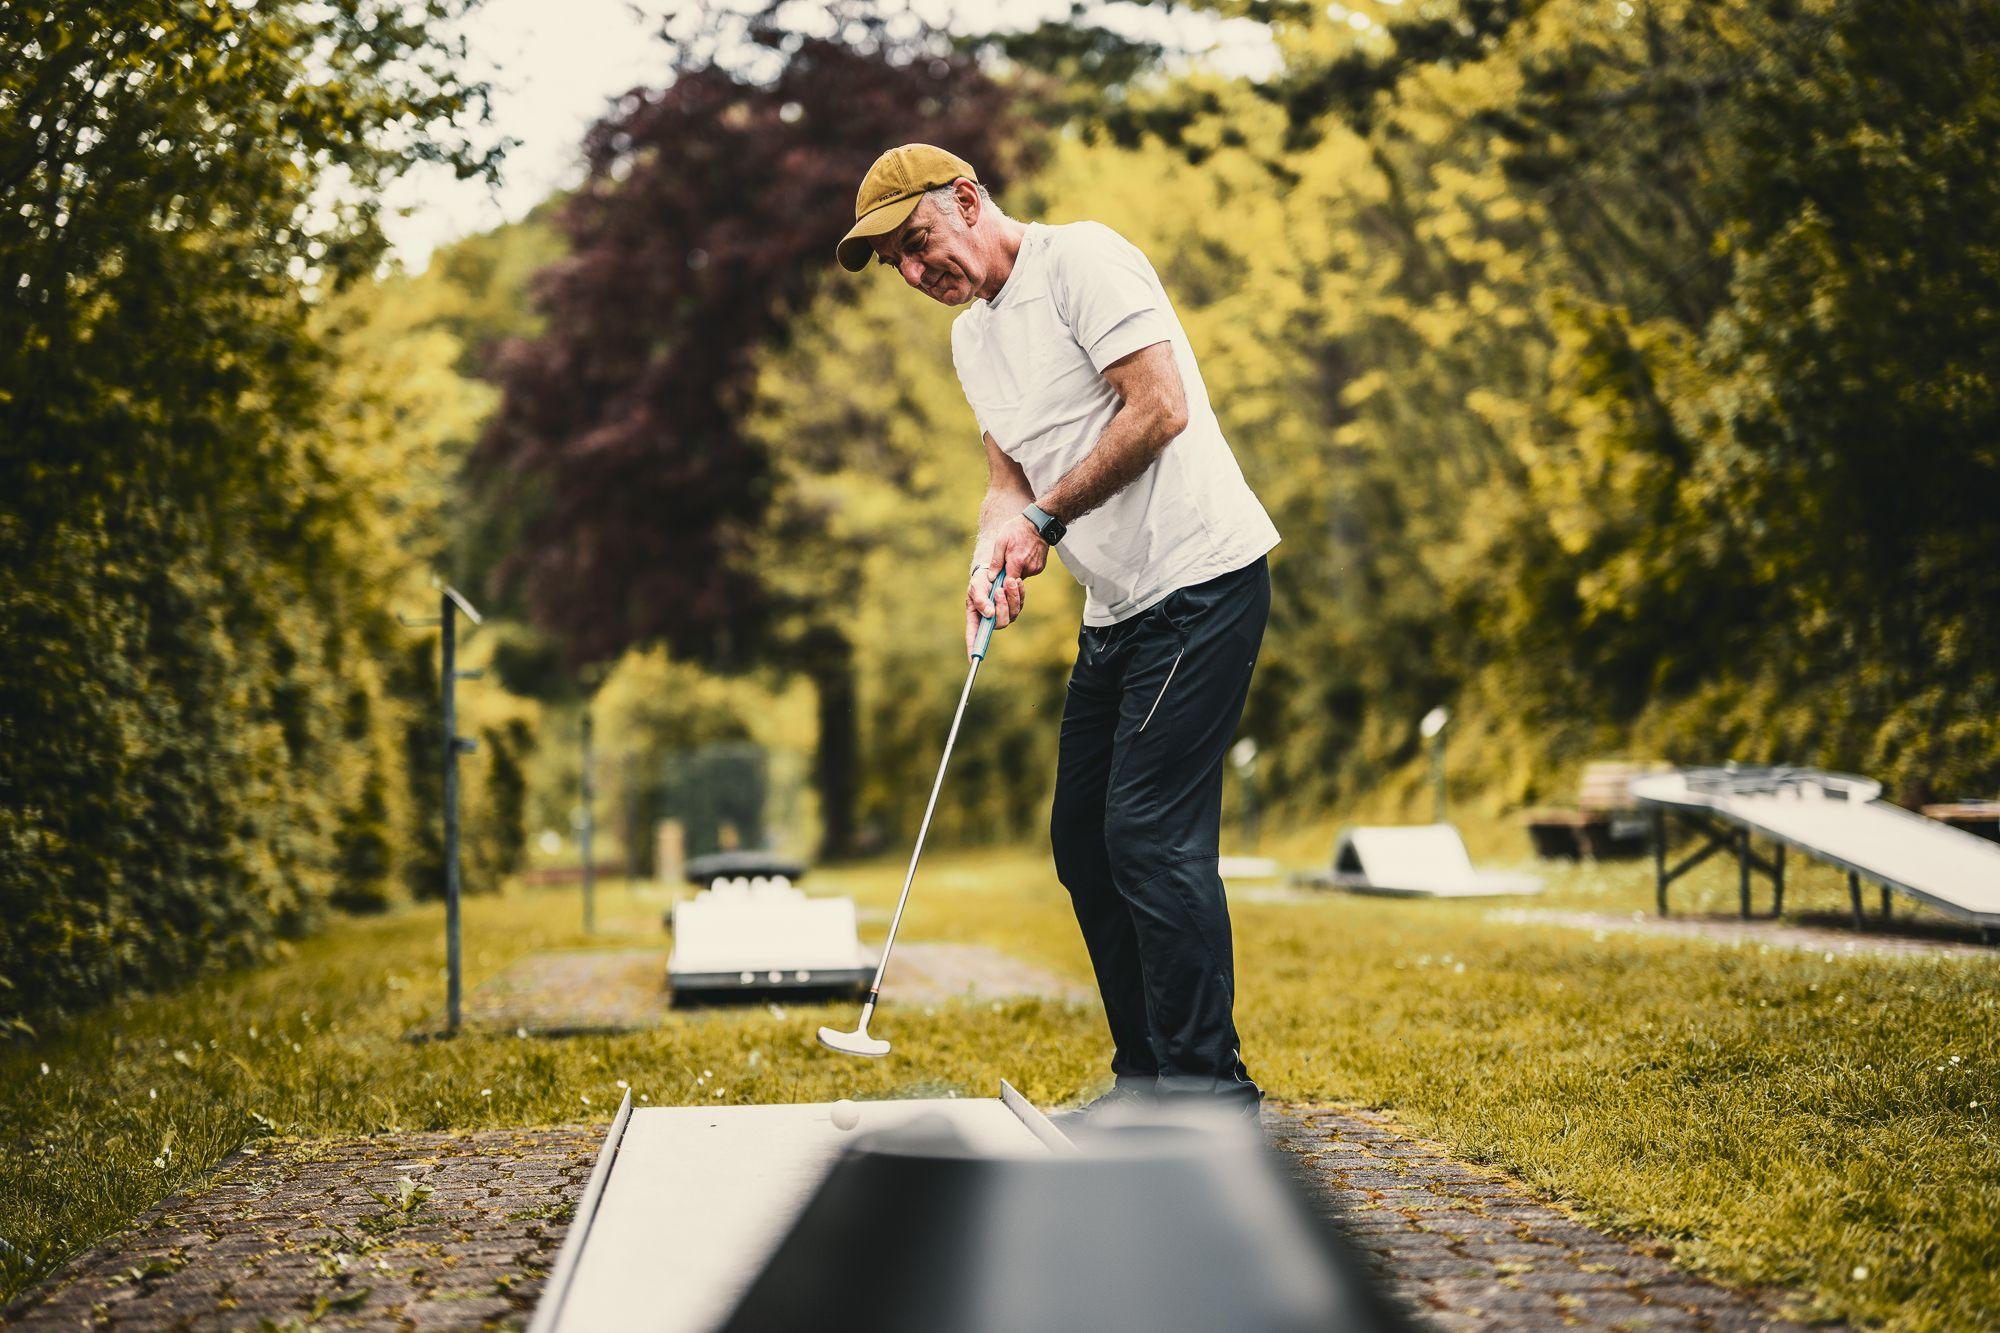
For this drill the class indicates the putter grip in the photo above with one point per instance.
(985, 635)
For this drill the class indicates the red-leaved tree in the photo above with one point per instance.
(707, 220)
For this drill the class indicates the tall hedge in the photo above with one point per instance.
(197, 689)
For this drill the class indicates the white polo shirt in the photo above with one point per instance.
(1031, 361)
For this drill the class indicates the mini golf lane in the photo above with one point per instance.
(687, 1203)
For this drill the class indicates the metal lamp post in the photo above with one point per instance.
(1432, 730)
(1243, 755)
(583, 815)
(587, 825)
(451, 603)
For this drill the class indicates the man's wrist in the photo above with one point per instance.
(1047, 525)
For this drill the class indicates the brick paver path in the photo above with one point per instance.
(559, 992)
(562, 992)
(1468, 1248)
(317, 1234)
(926, 973)
(312, 1234)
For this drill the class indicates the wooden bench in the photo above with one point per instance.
(1606, 823)
(1980, 817)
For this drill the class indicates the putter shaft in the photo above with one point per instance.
(979, 645)
(923, 829)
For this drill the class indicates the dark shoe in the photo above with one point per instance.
(1081, 1118)
(1207, 1105)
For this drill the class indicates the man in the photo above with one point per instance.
(1100, 443)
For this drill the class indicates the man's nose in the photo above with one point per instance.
(913, 270)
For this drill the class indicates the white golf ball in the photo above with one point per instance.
(846, 1115)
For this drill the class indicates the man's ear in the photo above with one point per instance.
(967, 195)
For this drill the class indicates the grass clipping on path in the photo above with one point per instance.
(1823, 1123)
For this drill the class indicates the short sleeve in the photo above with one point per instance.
(1108, 294)
(973, 398)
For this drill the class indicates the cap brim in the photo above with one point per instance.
(856, 246)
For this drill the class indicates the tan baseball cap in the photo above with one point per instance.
(889, 194)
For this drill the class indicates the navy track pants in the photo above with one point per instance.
(1152, 709)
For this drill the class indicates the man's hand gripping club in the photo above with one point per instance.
(1018, 549)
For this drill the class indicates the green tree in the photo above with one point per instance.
(187, 618)
(694, 243)
(1657, 335)
(1617, 371)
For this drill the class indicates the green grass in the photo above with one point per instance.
(1779, 1116)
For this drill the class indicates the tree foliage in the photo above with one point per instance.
(1655, 311)
(1618, 373)
(704, 225)
(196, 656)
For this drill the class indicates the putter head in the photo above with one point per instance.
(857, 1042)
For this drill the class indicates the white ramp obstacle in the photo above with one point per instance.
(760, 933)
(1418, 861)
(686, 1204)
(1831, 817)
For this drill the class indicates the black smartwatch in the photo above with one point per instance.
(1047, 524)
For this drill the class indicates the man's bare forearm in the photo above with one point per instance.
(1002, 502)
(1131, 441)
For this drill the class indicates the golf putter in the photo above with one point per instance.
(858, 1042)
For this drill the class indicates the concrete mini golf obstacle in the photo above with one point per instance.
(752, 930)
(686, 1204)
(765, 935)
(1417, 861)
(975, 1216)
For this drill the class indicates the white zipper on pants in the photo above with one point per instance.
(1163, 687)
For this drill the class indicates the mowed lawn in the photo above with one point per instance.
(1824, 1122)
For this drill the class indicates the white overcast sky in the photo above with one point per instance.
(555, 65)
